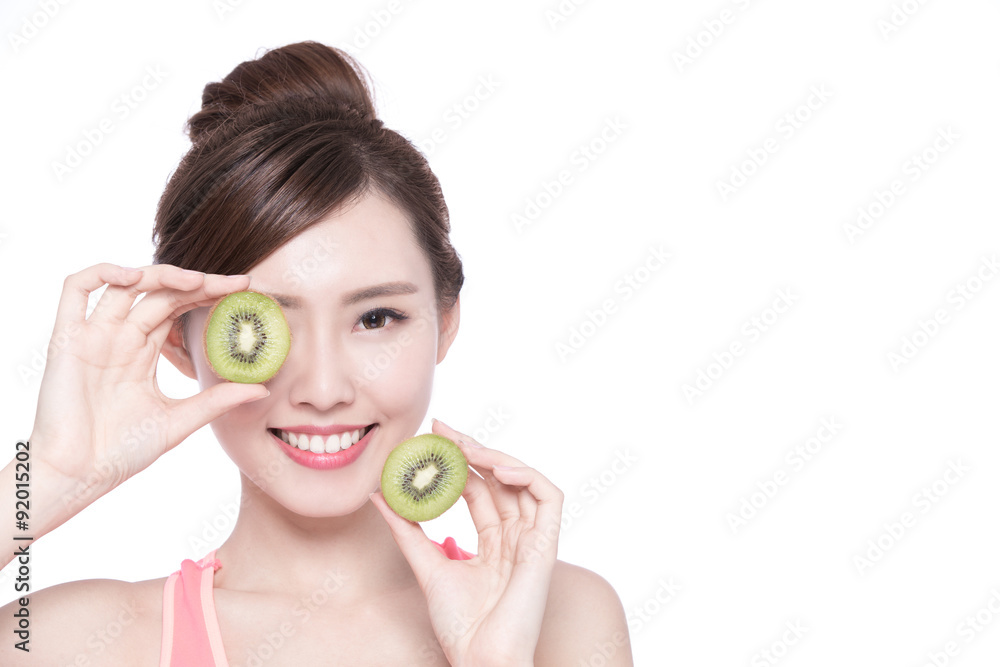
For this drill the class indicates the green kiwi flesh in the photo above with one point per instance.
(247, 337)
(424, 476)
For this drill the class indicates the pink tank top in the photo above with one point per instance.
(191, 634)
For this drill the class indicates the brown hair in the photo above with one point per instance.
(279, 144)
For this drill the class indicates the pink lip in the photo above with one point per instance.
(323, 430)
(324, 461)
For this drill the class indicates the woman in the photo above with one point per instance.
(293, 188)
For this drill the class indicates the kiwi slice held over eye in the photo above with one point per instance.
(247, 337)
(424, 476)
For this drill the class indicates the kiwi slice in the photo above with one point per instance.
(424, 476)
(247, 337)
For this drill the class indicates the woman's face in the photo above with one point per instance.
(358, 294)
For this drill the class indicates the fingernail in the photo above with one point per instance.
(502, 468)
(442, 423)
(470, 443)
(194, 273)
(238, 275)
(256, 398)
(129, 269)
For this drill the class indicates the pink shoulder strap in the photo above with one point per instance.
(191, 633)
(451, 549)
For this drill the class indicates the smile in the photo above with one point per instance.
(334, 450)
(319, 444)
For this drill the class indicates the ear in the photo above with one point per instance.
(175, 351)
(448, 331)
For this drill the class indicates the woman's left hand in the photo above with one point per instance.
(488, 610)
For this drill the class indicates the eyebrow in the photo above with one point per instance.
(364, 294)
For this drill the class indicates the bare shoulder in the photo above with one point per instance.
(87, 622)
(584, 619)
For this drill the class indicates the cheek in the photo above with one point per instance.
(239, 427)
(400, 372)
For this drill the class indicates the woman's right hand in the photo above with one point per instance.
(101, 417)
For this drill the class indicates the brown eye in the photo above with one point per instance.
(379, 318)
(373, 320)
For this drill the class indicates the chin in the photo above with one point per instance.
(323, 495)
(335, 508)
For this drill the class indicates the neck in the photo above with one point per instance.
(274, 550)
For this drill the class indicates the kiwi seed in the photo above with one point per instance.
(247, 337)
(424, 476)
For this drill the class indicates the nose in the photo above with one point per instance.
(317, 371)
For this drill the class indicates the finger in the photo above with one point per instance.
(481, 456)
(72, 308)
(480, 501)
(160, 305)
(528, 506)
(116, 302)
(158, 335)
(528, 590)
(537, 548)
(549, 498)
(484, 513)
(190, 414)
(482, 462)
(507, 500)
(417, 548)
(504, 498)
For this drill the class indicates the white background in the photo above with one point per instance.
(684, 464)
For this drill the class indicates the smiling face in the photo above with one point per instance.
(358, 294)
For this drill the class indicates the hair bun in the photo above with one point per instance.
(309, 72)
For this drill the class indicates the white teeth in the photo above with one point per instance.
(320, 444)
